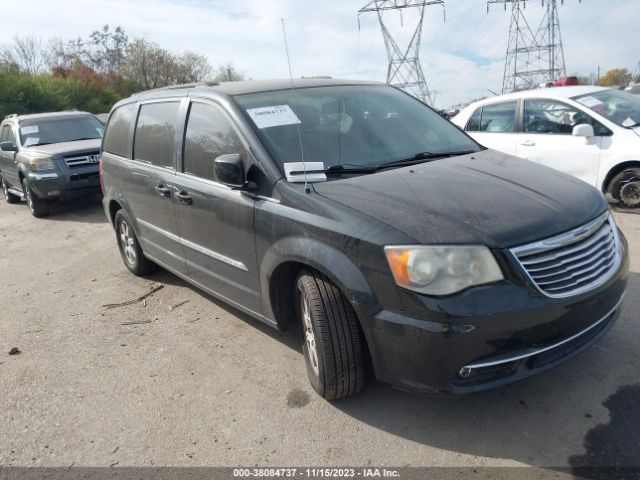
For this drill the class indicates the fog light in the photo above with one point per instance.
(465, 372)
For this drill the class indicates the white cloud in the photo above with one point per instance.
(462, 57)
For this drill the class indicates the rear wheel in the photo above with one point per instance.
(39, 208)
(129, 246)
(331, 334)
(625, 186)
(8, 196)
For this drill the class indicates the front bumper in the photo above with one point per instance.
(66, 184)
(487, 336)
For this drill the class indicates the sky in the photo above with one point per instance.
(462, 56)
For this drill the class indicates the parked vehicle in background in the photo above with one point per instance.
(633, 89)
(103, 117)
(46, 156)
(566, 82)
(592, 133)
(453, 268)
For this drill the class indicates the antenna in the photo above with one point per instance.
(307, 189)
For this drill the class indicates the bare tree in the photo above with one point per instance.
(24, 53)
(106, 49)
(151, 66)
(228, 73)
(192, 67)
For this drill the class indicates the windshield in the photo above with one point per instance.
(46, 130)
(619, 107)
(350, 125)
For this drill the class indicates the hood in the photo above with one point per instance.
(64, 148)
(486, 197)
(636, 130)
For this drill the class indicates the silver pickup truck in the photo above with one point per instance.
(46, 156)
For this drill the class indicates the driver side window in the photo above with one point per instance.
(553, 117)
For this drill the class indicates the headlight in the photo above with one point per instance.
(442, 270)
(41, 163)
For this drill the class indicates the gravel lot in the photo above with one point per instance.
(202, 384)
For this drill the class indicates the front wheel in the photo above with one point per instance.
(626, 187)
(8, 196)
(331, 334)
(38, 207)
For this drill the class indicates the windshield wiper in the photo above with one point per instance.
(338, 169)
(421, 157)
(38, 144)
(85, 138)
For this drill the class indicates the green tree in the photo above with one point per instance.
(615, 78)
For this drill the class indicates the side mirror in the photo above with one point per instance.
(583, 130)
(228, 169)
(8, 147)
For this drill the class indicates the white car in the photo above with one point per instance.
(592, 133)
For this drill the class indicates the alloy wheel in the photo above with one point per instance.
(27, 195)
(127, 241)
(309, 336)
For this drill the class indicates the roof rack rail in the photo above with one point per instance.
(180, 86)
(11, 115)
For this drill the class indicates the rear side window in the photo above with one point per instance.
(116, 138)
(497, 118)
(154, 140)
(209, 134)
(4, 135)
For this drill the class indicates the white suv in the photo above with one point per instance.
(592, 133)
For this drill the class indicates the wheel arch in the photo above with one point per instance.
(114, 206)
(286, 258)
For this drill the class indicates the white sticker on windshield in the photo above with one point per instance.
(629, 122)
(31, 141)
(265, 117)
(30, 129)
(589, 101)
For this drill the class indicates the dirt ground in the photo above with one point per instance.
(183, 380)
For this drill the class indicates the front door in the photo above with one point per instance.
(149, 183)
(215, 222)
(547, 139)
(8, 165)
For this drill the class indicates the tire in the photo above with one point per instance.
(8, 196)
(332, 342)
(625, 186)
(39, 208)
(129, 247)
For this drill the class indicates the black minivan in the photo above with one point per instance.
(352, 211)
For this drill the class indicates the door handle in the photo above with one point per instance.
(184, 198)
(528, 143)
(163, 191)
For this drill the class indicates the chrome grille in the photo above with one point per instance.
(573, 262)
(74, 161)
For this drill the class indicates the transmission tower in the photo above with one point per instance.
(404, 69)
(533, 57)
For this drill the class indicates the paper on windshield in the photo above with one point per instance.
(275, 116)
(589, 101)
(29, 130)
(31, 141)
